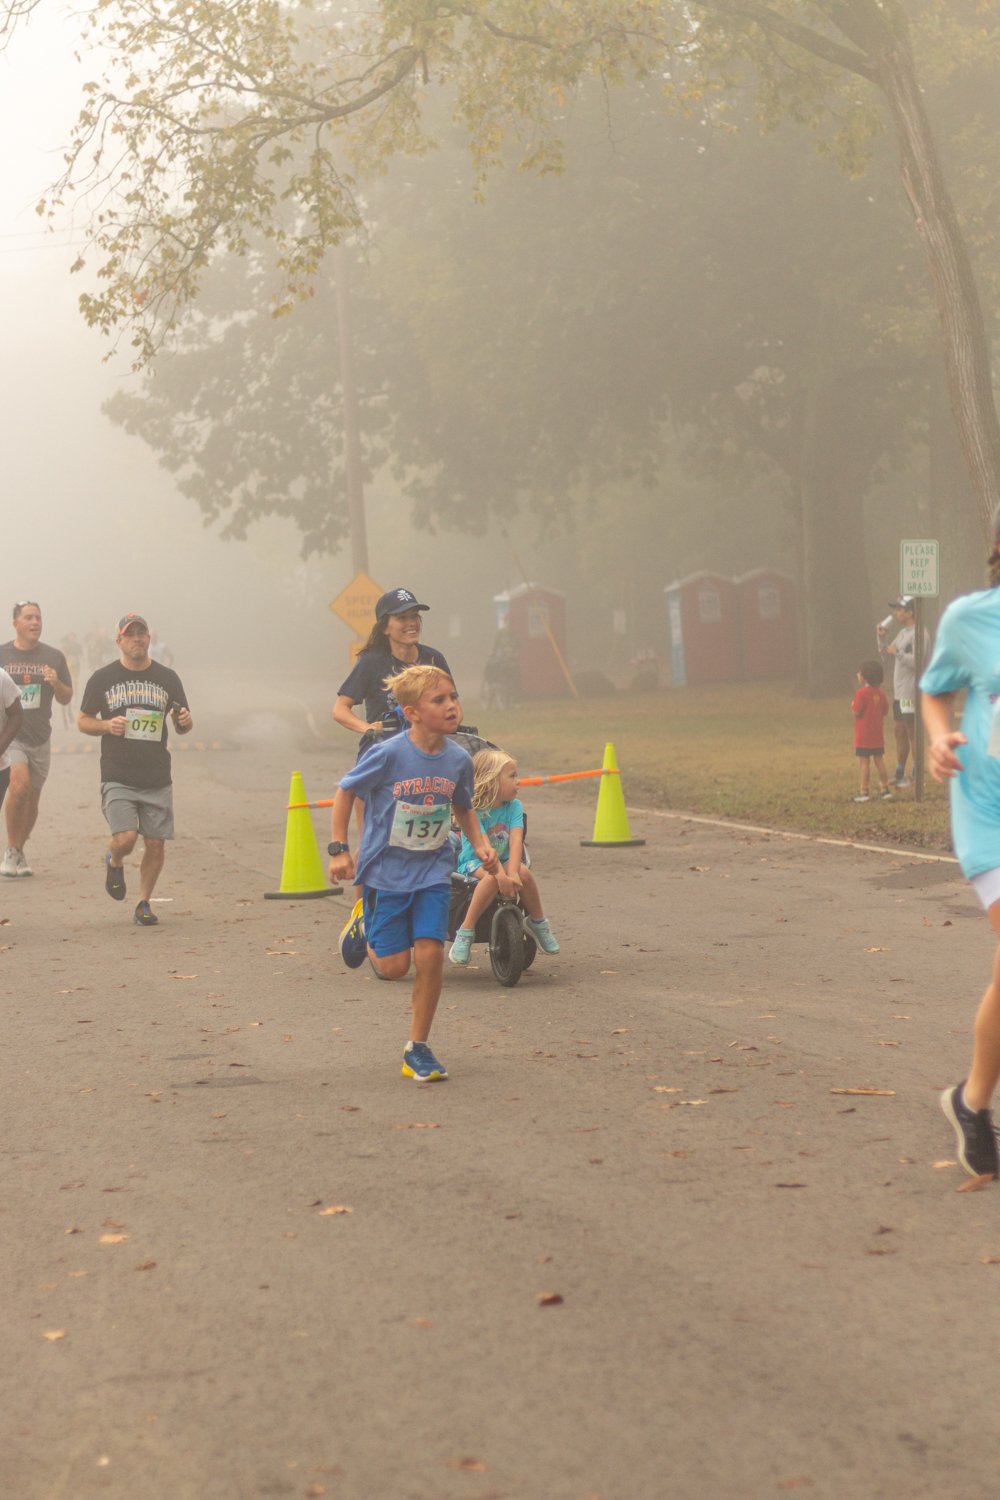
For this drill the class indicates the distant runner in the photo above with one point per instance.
(41, 674)
(10, 723)
(128, 703)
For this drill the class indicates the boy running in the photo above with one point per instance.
(410, 784)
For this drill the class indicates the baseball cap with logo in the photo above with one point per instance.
(905, 601)
(397, 602)
(127, 620)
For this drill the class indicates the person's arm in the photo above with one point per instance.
(62, 691)
(481, 846)
(179, 710)
(15, 713)
(341, 865)
(88, 724)
(942, 737)
(343, 713)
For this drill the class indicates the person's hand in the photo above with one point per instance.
(341, 868)
(182, 717)
(50, 675)
(487, 856)
(117, 725)
(377, 725)
(941, 758)
(507, 885)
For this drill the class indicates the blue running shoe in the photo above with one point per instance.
(420, 1064)
(352, 945)
(543, 934)
(143, 916)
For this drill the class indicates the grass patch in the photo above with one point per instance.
(753, 752)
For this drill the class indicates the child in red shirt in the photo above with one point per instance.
(869, 707)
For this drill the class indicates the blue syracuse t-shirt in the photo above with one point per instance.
(408, 795)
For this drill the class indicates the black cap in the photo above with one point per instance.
(397, 602)
(905, 601)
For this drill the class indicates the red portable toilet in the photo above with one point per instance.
(537, 617)
(767, 623)
(704, 629)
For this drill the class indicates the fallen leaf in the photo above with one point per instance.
(146, 1265)
(468, 1465)
(111, 1239)
(548, 1299)
(877, 1093)
(937, 1165)
(661, 1088)
(52, 1334)
(882, 1250)
(878, 950)
(797, 1482)
(989, 1260)
(184, 976)
(315, 1489)
(417, 1125)
(335, 1208)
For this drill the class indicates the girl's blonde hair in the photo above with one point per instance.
(487, 766)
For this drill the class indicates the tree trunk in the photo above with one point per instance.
(966, 348)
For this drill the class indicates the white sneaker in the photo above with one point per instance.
(8, 865)
(23, 868)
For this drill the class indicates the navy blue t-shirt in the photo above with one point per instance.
(365, 684)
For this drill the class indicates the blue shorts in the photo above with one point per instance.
(394, 920)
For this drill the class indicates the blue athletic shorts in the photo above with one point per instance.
(394, 920)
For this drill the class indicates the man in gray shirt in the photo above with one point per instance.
(41, 675)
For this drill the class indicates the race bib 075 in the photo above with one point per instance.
(144, 724)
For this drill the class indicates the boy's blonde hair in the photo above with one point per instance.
(410, 685)
(487, 766)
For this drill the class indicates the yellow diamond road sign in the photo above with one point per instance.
(356, 603)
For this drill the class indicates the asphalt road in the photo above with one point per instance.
(766, 1285)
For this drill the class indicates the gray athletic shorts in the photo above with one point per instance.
(37, 758)
(150, 809)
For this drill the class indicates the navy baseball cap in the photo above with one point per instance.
(905, 601)
(127, 620)
(397, 602)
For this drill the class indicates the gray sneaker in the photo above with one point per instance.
(23, 868)
(975, 1140)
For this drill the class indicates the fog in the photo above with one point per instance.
(682, 388)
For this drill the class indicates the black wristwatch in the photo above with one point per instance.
(338, 848)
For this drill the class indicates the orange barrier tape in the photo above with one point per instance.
(523, 781)
(565, 776)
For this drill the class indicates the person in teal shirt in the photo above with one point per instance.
(966, 659)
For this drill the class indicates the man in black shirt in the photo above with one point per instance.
(127, 703)
(41, 674)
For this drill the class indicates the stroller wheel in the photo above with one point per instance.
(507, 945)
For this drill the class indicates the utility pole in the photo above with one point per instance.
(357, 530)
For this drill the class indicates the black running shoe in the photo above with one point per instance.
(977, 1144)
(144, 917)
(114, 879)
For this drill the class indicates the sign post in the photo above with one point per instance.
(918, 577)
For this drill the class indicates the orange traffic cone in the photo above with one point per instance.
(302, 872)
(611, 828)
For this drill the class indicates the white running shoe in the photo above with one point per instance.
(23, 868)
(8, 865)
